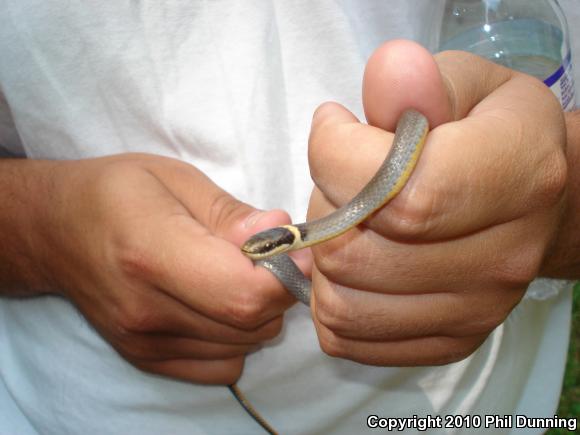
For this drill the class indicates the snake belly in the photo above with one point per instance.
(268, 247)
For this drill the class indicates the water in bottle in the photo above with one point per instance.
(528, 36)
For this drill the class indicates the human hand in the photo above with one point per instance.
(148, 249)
(426, 279)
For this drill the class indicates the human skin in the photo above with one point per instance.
(147, 247)
(427, 278)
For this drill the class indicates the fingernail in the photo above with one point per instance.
(253, 218)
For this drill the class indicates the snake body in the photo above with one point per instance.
(268, 247)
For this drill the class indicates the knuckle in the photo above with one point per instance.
(331, 344)
(272, 329)
(451, 357)
(134, 318)
(223, 208)
(414, 214)
(232, 374)
(514, 277)
(517, 270)
(135, 261)
(329, 261)
(455, 353)
(330, 311)
(554, 176)
(246, 311)
(331, 348)
(143, 365)
(484, 324)
(346, 258)
(135, 350)
(155, 367)
(122, 334)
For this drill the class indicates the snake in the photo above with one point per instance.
(269, 248)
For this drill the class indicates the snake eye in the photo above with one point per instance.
(268, 242)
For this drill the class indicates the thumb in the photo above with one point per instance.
(402, 74)
(215, 209)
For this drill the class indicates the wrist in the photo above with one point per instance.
(26, 189)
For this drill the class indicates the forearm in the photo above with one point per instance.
(24, 196)
(563, 261)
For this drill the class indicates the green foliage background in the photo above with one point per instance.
(570, 400)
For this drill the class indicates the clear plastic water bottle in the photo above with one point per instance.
(528, 36)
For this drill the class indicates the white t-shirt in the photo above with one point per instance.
(229, 87)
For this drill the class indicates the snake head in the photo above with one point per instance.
(269, 242)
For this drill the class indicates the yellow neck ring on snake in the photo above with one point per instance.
(390, 178)
(268, 248)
